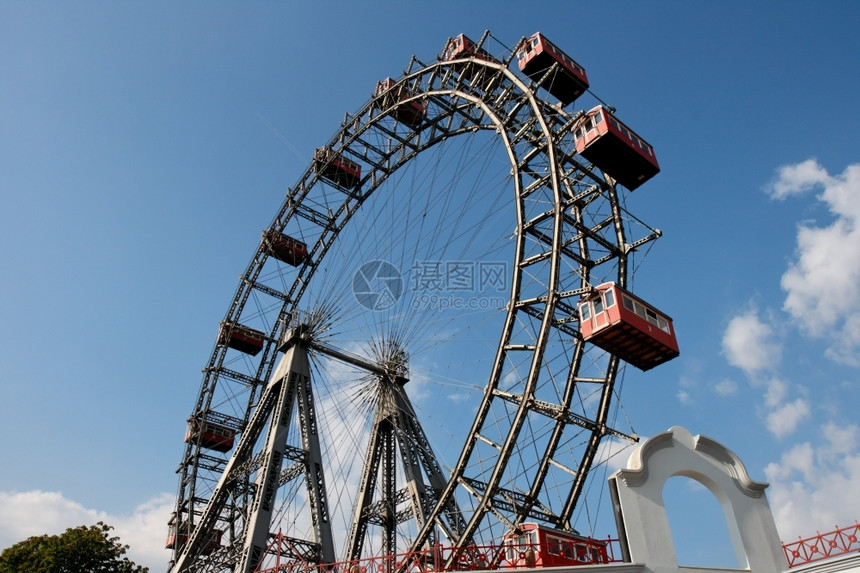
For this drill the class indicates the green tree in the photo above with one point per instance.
(79, 550)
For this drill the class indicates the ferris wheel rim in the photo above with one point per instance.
(293, 298)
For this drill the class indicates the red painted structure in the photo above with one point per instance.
(212, 436)
(533, 545)
(462, 47)
(615, 148)
(180, 535)
(241, 338)
(537, 54)
(285, 248)
(823, 545)
(626, 326)
(408, 111)
(550, 547)
(337, 168)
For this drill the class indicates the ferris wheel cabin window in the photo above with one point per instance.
(609, 298)
(646, 313)
(584, 311)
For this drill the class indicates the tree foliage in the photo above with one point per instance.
(79, 550)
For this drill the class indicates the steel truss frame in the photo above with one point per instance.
(571, 231)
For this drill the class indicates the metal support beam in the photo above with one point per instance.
(293, 366)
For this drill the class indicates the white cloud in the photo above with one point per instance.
(794, 179)
(687, 387)
(844, 347)
(748, 344)
(459, 397)
(30, 513)
(841, 440)
(785, 418)
(822, 284)
(811, 484)
(726, 387)
(776, 393)
(799, 459)
(610, 453)
(145, 531)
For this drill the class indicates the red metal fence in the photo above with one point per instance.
(823, 545)
(820, 546)
(433, 560)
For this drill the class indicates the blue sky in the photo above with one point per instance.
(144, 146)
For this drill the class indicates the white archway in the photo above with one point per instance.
(642, 521)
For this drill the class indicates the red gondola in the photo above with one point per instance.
(241, 338)
(627, 327)
(533, 545)
(285, 248)
(337, 168)
(615, 148)
(535, 56)
(179, 537)
(410, 112)
(462, 47)
(212, 436)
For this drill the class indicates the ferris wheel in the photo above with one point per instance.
(405, 361)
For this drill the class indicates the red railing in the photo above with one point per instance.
(433, 560)
(840, 541)
(823, 545)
